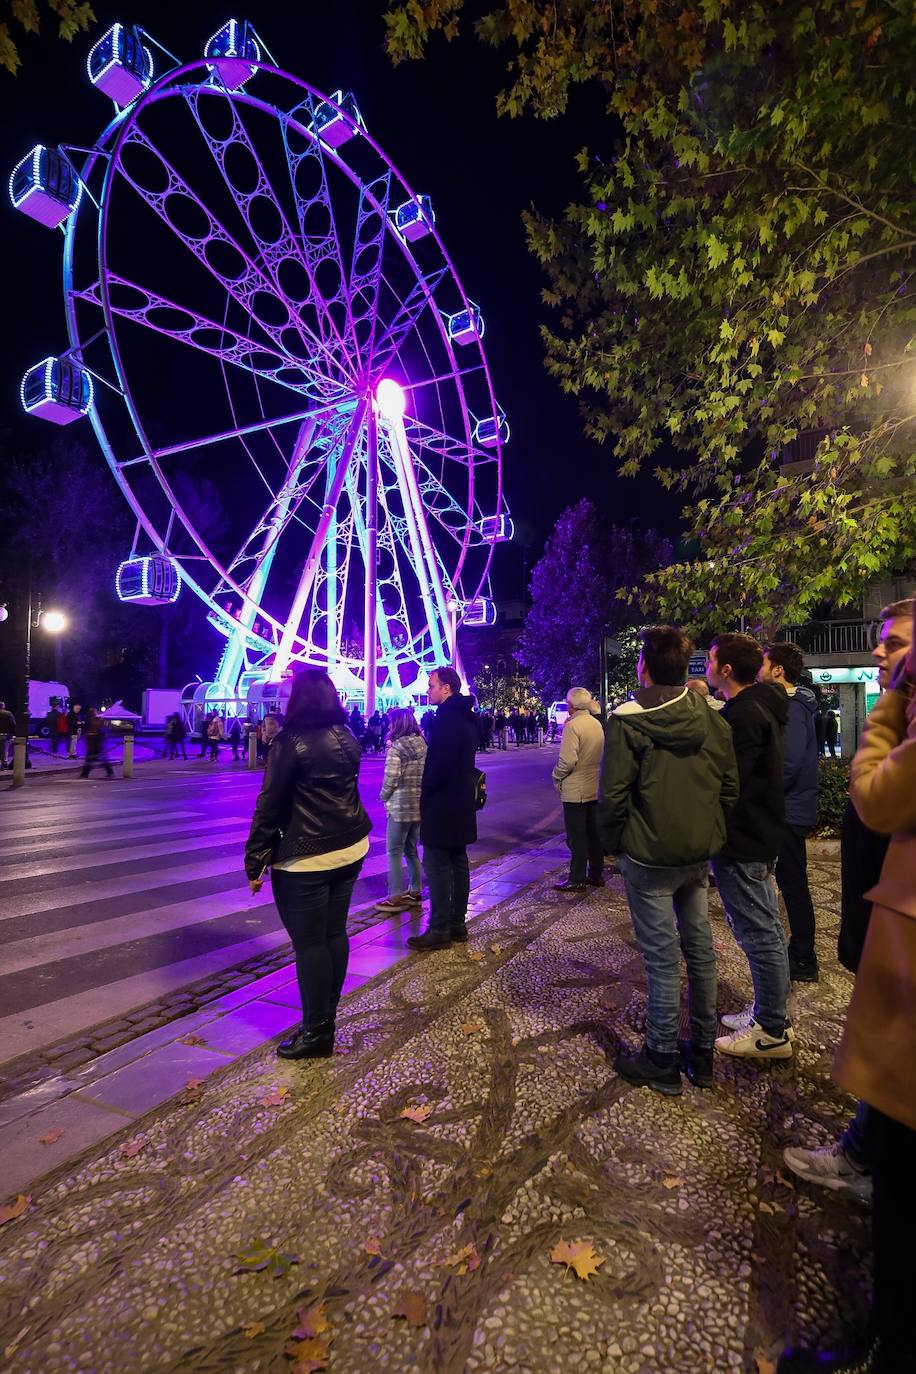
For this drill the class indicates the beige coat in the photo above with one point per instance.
(578, 768)
(876, 1059)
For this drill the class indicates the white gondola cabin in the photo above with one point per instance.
(479, 613)
(496, 529)
(152, 580)
(56, 389)
(492, 429)
(120, 64)
(231, 52)
(337, 120)
(414, 219)
(45, 185)
(465, 325)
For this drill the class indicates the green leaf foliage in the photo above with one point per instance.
(72, 18)
(736, 282)
(260, 1256)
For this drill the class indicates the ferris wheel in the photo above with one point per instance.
(280, 364)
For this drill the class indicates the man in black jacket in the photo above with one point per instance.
(756, 712)
(448, 815)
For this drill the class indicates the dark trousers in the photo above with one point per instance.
(313, 907)
(448, 877)
(585, 853)
(93, 757)
(893, 1228)
(792, 881)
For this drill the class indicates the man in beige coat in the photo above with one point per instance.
(576, 779)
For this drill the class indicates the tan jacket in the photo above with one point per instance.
(876, 1059)
(578, 768)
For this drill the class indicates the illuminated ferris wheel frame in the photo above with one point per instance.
(366, 480)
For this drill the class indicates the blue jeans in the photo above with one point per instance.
(448, 875)
(859, 1138)
(752, 909)
(313, 907)
(400, 846)
(667, 903)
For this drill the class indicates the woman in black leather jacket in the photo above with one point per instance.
(311, 829)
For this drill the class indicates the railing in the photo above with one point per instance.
(832, 636)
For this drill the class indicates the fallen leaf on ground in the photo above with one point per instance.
(193, 1083)
(496, 949)
(465, 1260)
(579, 1256)
(672, 1182)
(192, 1040)
(411, 1306)
(50, 1138)
(786, 1182)
(484, 1171)
(763, 1364)
(307, 1355)
(471, 1027)
(277, 1097)
(312, 1322)
(15, 1208)
(544, 1049)
(193, 1091)
(417, 1113)
(766, 1207)
(133, 1147)
(475, 955)
(260, 1256)
(372, 1245)
(252, 1329)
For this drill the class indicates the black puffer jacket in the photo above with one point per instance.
(755, 824)
(309, 803)
(448, 816)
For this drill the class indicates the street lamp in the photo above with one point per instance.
(52, 621)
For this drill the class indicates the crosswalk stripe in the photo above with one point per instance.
(110, 838)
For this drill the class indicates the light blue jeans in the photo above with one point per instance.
(751, 904)
(401, 846)
(670, 906)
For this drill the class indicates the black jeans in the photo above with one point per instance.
(448, 877)
(581, 820)
(792, 881)
(93, 757)
(313, 907)
(893, 1223)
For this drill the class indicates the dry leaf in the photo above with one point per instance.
(307, 1356)
(260, 1256)
(312, 1323)
(672, 1182)
(579, 1256)
(51, 1138)
(133, 1147)
(193, 1091)
(475, 955)
(471, 1027)
(417, 1113)
(194, 1083)
(252, 1329)
(277, 1097)
(496, 949)
(465, 1260)
(763, 1364)
(765, 1207)
(786, 1182)
(410, 1305)
(372, 1245)
(192, 1040)
(15, 1208)
(484, 1171)
(544, 1049)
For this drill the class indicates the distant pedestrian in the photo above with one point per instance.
(311, 828)
(73, 728)
(575, 777)
(168, 738)
(205, 733)
(501, 725)
(356, 723)
(448, 812)
(400, 793)
(7, 735)
(215, 736)
(820, 728)
(831, 731)
(270, 728)
(55, 734)
(95, 738)
(669, 777)
(235, 738)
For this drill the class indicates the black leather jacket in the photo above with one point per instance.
(309, 802)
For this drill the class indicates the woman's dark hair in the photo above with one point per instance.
(313, 701)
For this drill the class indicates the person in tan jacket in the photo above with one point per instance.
(876, 1059)
(575, 777)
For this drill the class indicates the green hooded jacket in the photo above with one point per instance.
(669, 776)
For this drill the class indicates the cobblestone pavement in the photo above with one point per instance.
(127, 1259)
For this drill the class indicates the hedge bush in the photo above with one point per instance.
(832, 796)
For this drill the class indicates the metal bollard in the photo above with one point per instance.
(252, 750)
(19, 747)
(128, 769)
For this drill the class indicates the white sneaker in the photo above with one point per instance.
(743, 1020)
(830, 1167)
(754, 1043)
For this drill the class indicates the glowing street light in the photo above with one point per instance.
(53, 621)
(390, 399)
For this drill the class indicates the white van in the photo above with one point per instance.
(558, 712)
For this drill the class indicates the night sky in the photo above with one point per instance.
(436, 120)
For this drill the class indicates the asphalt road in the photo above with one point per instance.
(113, 893)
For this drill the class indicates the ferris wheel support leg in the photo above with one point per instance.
(310, 567)
(434, 599)
(371, 558)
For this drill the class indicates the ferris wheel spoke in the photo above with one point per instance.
(239, 277)
(341, 463)
(366, 264)
(259, 205)
(206, 336)
(298, 417)
(390, 338)
(427, 437)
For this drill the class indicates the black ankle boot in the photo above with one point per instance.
(314, 1044)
